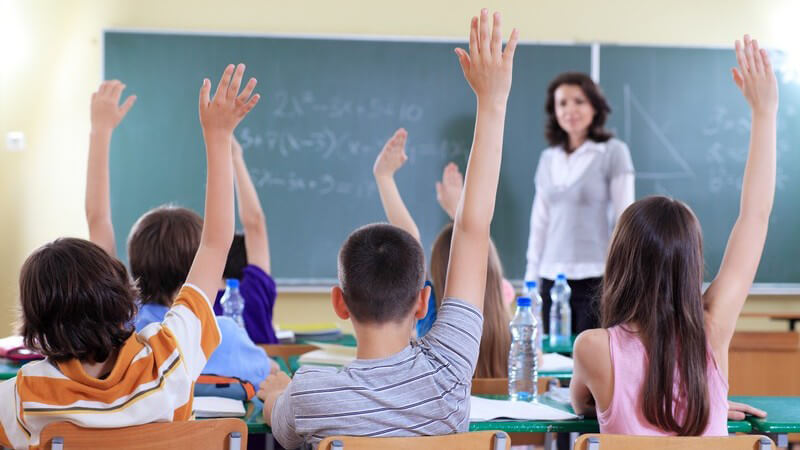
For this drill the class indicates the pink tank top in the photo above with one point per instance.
(625, 413)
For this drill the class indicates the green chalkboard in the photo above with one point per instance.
(688, 129)
(327, 107)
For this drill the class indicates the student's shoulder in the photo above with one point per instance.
(194, 299)
(589, 344)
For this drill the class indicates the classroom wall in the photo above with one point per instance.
(50, 63)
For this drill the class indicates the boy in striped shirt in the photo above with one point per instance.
(397, 388)
(78, 302)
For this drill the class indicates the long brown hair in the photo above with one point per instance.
(556, 135)
(496, 338)
(653, 282)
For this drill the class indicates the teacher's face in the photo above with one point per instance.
(574, 112)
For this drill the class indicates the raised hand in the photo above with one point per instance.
(107, 113)
(228, 107)
(755, 77)
(448, 191)
(392, 156)
(487, 67)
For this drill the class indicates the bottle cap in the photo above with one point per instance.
(232, 283)
(561, 276)
(530, 284)
(523, 301)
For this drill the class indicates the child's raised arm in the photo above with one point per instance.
(488, 69)
(448, 191)
(219, 116)
(726, 295)
(106, 114)
(256, 239)
(389, 160)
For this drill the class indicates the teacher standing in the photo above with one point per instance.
(584, 181)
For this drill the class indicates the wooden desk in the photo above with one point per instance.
(764, 363)
(792, 318)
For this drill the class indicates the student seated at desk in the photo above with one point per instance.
(248, 259)
(161, 247)
(397, 387)
(495, 337)
(660, 364)
(77, 304)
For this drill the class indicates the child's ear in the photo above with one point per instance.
(422, 302)
(339, 306)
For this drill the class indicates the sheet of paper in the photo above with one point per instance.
(555, 362)
(217, 407)
(483, 409)
(329, 354)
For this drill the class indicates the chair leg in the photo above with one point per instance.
(500, 441)
(57, 444)
(235, 441)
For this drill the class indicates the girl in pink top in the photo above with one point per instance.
(659, 365)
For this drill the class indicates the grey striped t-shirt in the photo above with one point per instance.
(422, 390)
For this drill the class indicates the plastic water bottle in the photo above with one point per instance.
(560, 311)
(522, 362)
(232, 301)
(532, 291)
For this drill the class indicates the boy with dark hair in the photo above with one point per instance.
(394, 388)
(72, 289)
(161, 247)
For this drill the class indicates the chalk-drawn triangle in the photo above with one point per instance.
(683, 170)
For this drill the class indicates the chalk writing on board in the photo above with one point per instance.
(323, 184)
(329, 144)
(728, 153)
(289, 105)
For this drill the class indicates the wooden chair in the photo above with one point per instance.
(499, 386)
(479, 440)
(227, 434)
(621, 442)
(284, 351)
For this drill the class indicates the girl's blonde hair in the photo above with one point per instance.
(496, 337)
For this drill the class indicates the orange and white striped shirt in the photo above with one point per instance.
(151, 381)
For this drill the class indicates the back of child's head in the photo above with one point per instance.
(76, 300)
(161, 247)
(496, 338)
(237, 258)
(653, 281)
(381, 273)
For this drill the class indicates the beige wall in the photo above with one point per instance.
(50, 63)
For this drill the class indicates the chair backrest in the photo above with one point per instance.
(284, 351)
(226, 434)
(479, 440)
(620, 442)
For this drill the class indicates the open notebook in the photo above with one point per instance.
(217, 407)
(483, 409)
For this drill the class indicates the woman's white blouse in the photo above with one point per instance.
(578, 200)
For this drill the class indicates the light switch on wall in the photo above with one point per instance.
(15, 141)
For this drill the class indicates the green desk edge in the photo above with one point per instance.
(783, 413)
(255, 422)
